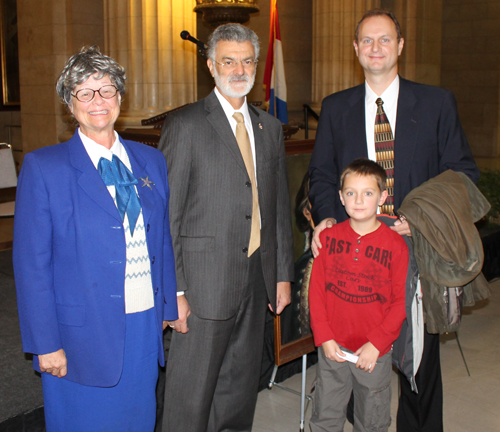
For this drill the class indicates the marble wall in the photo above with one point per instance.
(421, 26)
(49, 32)
(470, 68)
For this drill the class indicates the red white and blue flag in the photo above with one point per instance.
(274, 74)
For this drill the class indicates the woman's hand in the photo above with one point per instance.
(54, 363)
(180, 325)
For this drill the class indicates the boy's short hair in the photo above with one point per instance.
(365, 167)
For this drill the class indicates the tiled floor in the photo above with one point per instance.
(470, 403)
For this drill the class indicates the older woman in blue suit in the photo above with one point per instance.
(93, 261)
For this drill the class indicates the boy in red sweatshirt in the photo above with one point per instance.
(357, 306)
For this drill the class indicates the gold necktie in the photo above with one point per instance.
(246, 151)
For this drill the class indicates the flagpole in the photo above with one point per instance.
(275, 8)
(274, 67)
(274, 74)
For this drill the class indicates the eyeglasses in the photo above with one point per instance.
(86, 95)
(232, 64)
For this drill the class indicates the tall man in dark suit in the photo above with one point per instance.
(428, 140)
(232, 238)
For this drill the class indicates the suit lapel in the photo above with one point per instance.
(217, 118)
(139, 169)
(260, 137)
(90, 180)
(354, 131)
(405, 143)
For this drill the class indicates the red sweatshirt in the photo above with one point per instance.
(357, 289)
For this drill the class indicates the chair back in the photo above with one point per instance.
(8, 174)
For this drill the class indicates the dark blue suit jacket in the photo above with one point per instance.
(429, 140)
(70, 255)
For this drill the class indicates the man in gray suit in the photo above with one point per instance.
(232, 238)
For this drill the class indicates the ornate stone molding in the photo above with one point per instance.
(217, 12)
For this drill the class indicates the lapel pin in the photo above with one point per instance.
(146, 182)
(260, 126)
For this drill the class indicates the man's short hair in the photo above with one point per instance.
(365, 167)
(379, 12)
(232, 32)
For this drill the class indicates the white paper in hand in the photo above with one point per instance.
(350, 357)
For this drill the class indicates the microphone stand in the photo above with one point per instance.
(202, 47)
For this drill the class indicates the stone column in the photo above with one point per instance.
(335, 65)
(144, 36)
(471, 69)
(49, 32)
(421, 24)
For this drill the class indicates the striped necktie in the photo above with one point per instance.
(384, 149)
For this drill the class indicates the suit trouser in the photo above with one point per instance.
(213, 370)
(423, 412)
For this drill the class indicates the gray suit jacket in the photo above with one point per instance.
(210, 198)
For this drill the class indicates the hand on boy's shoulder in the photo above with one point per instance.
(332, 351)
(402, 228)
(316, 243)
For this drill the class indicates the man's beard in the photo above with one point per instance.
(226, 89)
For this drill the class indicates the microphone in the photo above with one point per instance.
(201, 46)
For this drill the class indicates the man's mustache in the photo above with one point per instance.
(243, 77)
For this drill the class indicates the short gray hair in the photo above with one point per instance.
(232, 32)
(89, 61)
